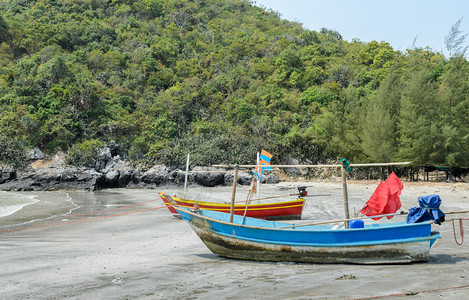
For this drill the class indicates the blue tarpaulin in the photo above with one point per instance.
(429, 210)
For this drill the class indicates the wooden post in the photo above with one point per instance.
(233, 194)
(258, 179)
(344, 188)
(187, 172)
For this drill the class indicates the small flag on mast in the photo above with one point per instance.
(264, 160)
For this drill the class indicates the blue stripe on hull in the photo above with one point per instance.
(264, 240)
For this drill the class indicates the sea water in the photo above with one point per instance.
(35, 208)
(13, 202)
(25, 208)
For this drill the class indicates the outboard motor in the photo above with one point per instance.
(302, 191)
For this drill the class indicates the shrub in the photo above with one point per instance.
(12, 151)
(84, 154)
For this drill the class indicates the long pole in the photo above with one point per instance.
(258, 179)
(344, 189)
(233, 194)
(342, 220)
(316, 166)
(187, 172)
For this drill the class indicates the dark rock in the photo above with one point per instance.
(116, 149)
(210, 179)
(180, 177)
(244, 178)
(103, 158)
(6, 174)
(118, 173)
(271, 179)
(124, 178)
(293, 170)
(157, 175)
(111, 178)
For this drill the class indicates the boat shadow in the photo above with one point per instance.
(446, 259)
(435, 259)
(218, 258)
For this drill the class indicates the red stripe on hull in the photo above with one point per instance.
(279, 210)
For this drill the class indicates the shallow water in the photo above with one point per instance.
(13, 202)
(39, 208)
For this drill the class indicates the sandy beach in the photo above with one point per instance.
(141, 252)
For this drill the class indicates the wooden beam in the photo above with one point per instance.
(316, 166)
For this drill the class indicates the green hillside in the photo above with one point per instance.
(220, 79)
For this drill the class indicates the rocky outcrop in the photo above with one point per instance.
(208, 176)
(7, 174)
(110, 171)
(52, 174)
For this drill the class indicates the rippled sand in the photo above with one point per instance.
(137, 253)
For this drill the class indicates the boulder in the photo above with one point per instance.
(111, 178)
(271, 179)
(116, 149)
(212, 178)
(103, 158)
(7, 174)
(244, 178)
(157, 175)
(34, 154)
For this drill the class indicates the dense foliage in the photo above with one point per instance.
(221, 79)
(12, 151)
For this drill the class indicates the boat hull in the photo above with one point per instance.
(405, 243)
(286, 210)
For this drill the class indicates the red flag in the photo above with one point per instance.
(385, 199)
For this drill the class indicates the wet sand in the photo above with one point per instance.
(151, 255)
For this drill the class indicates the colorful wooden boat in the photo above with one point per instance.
(261, 240)
(286, 210)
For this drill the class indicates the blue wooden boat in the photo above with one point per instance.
(261, 240)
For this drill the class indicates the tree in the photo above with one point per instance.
(420, 125)
(380, 122)
(454, 104)
(12, 151)
(4, 34)
(455, 40)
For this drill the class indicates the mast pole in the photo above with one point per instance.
(233, 194)
(187, 172)
(258, 179)
(344, 189)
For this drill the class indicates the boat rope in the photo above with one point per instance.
(457, 212)
(296, 194)
(341, 220)
(83, 220)
(413, 293)
(108, 210)
(402, 213)
(249, 197)
(461, 230)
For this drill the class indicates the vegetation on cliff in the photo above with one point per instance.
(222, 79)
